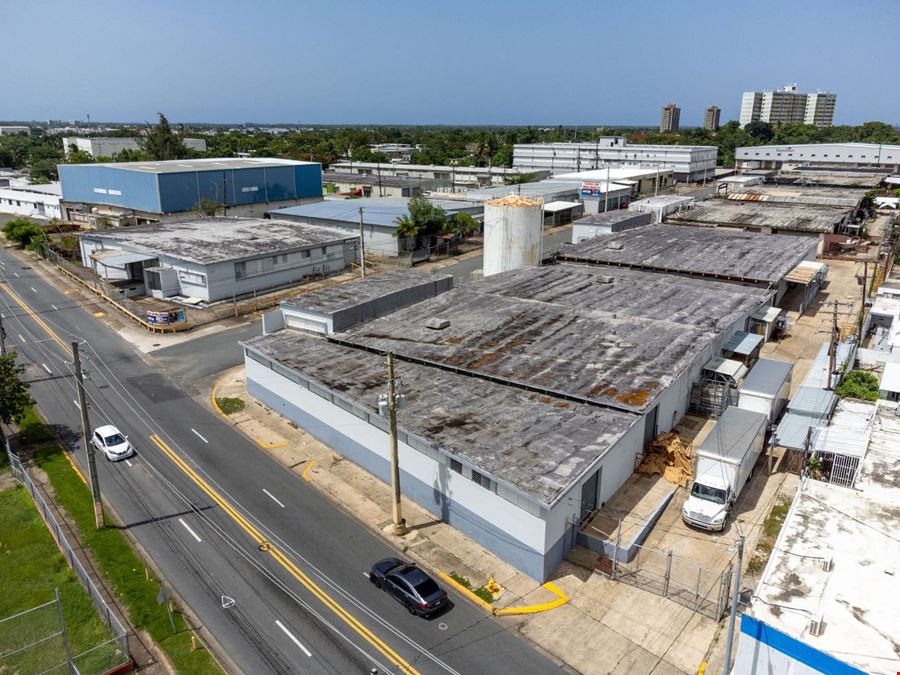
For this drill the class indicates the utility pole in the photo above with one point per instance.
(832, 347)
(2, 337)
(606, 192)
(86, 436)
(362, 245)
(224, 195)
(656, 185)
(862, 309)
(734, 603)
(397, 517)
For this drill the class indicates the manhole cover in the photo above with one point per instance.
(442, 626)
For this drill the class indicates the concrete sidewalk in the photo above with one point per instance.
(606, 627)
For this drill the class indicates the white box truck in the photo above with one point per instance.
(767, 388)
(723, 465)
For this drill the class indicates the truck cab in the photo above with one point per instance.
(708, 504)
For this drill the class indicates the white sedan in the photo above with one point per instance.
(112, 442)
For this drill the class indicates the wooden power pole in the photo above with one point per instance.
(362, 245)
(86, 437)
(397, 517)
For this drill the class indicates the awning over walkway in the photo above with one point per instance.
(744, 344)
(806, 272)
(119, 258)
(767, 315)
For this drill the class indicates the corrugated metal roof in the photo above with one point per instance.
(743, 343)
(729, 367)
(890, 379)
(806, 272)
(767, 315)
(767, 377)
(848, 431)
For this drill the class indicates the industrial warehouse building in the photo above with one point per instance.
(689, 163)
(726, 255)
(207, 260)
(845, 155)
(463, 177)
(529, 394)
(35, 201)
(135, 193)
(362, 185)
(379, 219)
(97, 146)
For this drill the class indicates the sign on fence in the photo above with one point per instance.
(167, 317)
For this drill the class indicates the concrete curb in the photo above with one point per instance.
(561, 599)
(466, 592)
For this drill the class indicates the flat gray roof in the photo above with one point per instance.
(547, 190)
(343, 296)
(210, 164)
(540, 445)
(796, 194)
(381, 211)
(610, 337)
(210, 240)
(613, 217)
(370, 179)
(793, 217)
(733, 254)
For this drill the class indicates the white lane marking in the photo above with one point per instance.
(21, 338)
(366, 575)
(130, 464)
(55, 307)
(16, 274)
(293, 639)
(197, 433)
(32, 288)
(77, 405)
(47, 369)
(188, 528)
(273, 498)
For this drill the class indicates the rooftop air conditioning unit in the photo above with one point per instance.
(827, 564)
(615, 246)
(816, 626)
(436, 323)
(605, 280)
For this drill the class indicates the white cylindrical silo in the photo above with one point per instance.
(512, 233)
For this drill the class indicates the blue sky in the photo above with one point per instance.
(449, 62)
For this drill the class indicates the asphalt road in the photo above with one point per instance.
(218, 517)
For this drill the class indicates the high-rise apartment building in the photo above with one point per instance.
(711, 119)
(671, 116)
(788, 106)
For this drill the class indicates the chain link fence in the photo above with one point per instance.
(700, 588)
(38, 634)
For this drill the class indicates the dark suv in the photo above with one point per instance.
(410, 585)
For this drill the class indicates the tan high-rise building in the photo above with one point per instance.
(671, 116)
(711, 119)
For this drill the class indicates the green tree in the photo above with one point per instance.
(760, 131)
(423, 218)
(14, 396)
(76, 155)
(161, 143)
(23, 231)
(860, 385)
(461, 224)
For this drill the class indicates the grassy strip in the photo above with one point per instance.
(31, 567)
(123, 568)
(482, 592)
(230, 405)
(771, 527)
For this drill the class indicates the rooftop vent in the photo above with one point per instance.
(615, 246)
(827, 563)
(604, 280)
(816, 625)
(435, 323)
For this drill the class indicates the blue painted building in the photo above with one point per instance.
(139, 192)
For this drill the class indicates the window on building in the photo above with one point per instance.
(305, 254)
(192, 278)
(455, 465)
(483, 481)
(240, 270)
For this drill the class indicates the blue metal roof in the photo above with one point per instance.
(382, 211)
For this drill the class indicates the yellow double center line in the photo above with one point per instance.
(266, 546)
(262, 542)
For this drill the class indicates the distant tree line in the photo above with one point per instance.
(463, 146)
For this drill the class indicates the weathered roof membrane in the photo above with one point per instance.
(210, 240)
(790, 217)
(593, 335)
(539, 444)
(701, 251)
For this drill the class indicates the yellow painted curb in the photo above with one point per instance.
(306, 470)
(702, 668)
(269, 446)
(212, 397)
(561, 599)
(466, 592)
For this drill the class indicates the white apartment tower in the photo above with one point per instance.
(788, 106)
